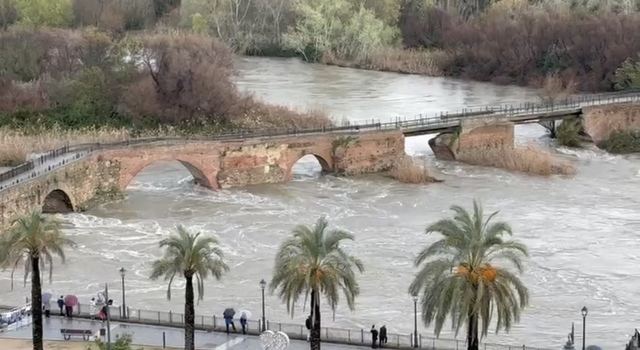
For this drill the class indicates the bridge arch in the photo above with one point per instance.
(57, 201)
(324, 160)
(202, 178)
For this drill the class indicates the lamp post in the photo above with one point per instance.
(263, 285)
(415, 320)
(584, 326)
(124, 304)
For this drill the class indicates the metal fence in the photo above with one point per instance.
(67, 154)
(294, 331)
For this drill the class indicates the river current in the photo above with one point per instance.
(582, 231)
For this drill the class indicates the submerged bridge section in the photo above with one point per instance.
(70, 178)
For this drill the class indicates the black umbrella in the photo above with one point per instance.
(229, 312)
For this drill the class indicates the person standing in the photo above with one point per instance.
(383, 335)
(69, 310)
(61, 305)
(307, 324)
(374, 336)
(92, 308)
(47, 309)
(228, 321)
(243, 323)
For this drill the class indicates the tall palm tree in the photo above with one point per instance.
(312, 262)
(33, 240)
(460, 275)
(189, 255)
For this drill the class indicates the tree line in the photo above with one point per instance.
(469, 274)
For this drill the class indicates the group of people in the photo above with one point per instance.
(65, 310)
(382, 335)
(228, 321)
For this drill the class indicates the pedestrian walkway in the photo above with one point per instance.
(153, 335)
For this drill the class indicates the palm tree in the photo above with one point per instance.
(33, 240)
(189, 255)
(459, 275)
(312, 262)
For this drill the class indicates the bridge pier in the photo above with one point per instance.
(473, 136)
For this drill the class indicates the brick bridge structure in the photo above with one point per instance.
(70, 179)
(213, 164)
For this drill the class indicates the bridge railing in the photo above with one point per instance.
(351, 336)
(51, 160)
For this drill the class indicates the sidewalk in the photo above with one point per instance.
(152, 335)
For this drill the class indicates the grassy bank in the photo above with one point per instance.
(622, 142)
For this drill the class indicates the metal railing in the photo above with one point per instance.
(63, 156)
(294, 331)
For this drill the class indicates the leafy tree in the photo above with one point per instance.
(336, 26)
(123, 342)
(628, 75)
(33, 241)
(460, 277)
(313, 262)
(191, 256)
(52, 13)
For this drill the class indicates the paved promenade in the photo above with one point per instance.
(152, 335)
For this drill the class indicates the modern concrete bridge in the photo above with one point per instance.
(69, 178)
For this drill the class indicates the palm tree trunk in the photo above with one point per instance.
(472, 332)
(315, 321)
(36, 303)
(189, 316)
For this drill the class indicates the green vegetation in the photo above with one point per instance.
(190, 256)
(123, 342)
(568, 133)
(622, 142)
(313, 262)
(628, 75)
(33, 241)
(460, 276)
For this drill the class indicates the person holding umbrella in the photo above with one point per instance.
(69, 302)
(228, 318)
(46, 299)
(243, 322)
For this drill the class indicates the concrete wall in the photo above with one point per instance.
(600, 122)
(212, 164)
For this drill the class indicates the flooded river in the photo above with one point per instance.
(583, 232)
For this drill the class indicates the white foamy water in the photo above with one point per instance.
(582, 231)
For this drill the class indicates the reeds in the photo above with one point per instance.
(15, 146)
(390, 59)
(406, 170)
(530, 160)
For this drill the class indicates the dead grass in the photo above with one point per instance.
(15, 145)
(530, 160)
(406, 170)
(257, 115)
(396, 60)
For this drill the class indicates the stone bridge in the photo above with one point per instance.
(213, 164)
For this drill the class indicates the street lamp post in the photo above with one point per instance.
(584, 326)
(263, 285)
(415, 320)
(124, 303)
